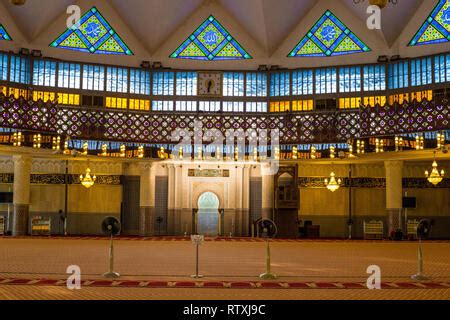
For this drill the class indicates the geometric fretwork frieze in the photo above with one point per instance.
(152, 127)
(406, 118)
(409, 183)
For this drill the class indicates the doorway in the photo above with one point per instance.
(208, 214)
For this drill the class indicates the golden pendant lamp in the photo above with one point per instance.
(434, 177)
(379, 3)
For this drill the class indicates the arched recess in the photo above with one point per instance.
(208, 214)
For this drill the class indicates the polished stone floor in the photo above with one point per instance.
(305, 269)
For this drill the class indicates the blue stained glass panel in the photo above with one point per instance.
(326, 80)
(436, 28)
(442, 68)
(233, 84)
(256, 84)
(280, 84)
(349, 79)
(44, 73)
(69, 75)
(93, 77)
(4, 34)
(117, 79)
(19, 70)
(302, 82)
(421, 72)
(186, 84)
(92, 34)
(210, 41)
(374, 78)
(163, 83)
(398, 75)
(139, 81)
(328, 37)
(3, 66)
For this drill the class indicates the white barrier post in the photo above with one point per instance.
(111, 273)
(197, 240)
(268, 274)
(420, 276)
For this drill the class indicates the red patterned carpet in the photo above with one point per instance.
(160, 268)
(224, 285)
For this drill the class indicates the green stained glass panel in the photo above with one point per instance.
(210, 41)
(92, 34)
(328, 37)
(4, 35)
(436, 28)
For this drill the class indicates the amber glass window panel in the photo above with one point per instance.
(69, 99)
(17, 93)
(399, 98)
(422, 95)
(117, 103)
(372, 101)
(349, 103)
(302, 105)
(44, 96)
(139, 104)
(279, 106)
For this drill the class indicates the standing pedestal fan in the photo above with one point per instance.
(111, 227)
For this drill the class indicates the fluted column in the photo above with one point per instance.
(178, 198)
(238, 201)
(171, 200)
(394, 192)
(245, 201)
(147, 200)
(21, 201)
(267, 193)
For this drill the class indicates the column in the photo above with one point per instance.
(21, 189)
(178, 195)
(394, 193)
(245, 201)
(171, 200)
(147, 200)
(238, 201)
(267, 192)
(186, 214)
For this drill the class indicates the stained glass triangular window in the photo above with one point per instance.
(328, 37)
(210, 42)
(436, 29)
(93, 34)
(4, 34)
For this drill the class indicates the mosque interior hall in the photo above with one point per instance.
(306, 138)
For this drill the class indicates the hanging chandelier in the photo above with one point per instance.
(333, 184)
(380, 3)
(434, 177)
(18, 2)
(87, 180)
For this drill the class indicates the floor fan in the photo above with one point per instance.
(111, 227)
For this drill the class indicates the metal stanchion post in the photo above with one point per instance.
(420, 276)
(197, 240)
